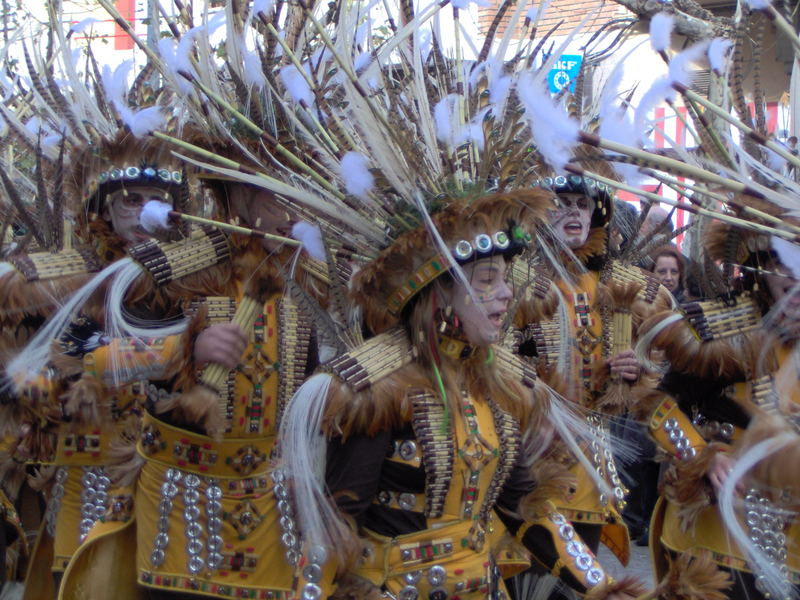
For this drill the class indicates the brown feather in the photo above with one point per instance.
(694, 578)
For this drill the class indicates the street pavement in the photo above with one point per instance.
(639, 565)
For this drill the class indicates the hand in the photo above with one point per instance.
(718, 470)
(625, 365)
(224, 344)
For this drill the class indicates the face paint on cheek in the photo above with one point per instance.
(486, 295)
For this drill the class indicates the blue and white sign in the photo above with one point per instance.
(564, 72)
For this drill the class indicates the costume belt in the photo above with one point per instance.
(195, 453)
(431, 561)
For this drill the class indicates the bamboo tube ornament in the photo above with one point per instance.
(156, 215)
(207, 403)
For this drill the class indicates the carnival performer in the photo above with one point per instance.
(72, 414)
(585, 315)
(199, 509)
(432, 429)
(94, 178)
(725, 361)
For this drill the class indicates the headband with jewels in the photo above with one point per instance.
(507, 243)
(469, 228)
(602, 194)
(118, 177)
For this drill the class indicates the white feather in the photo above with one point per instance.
(498, 90)
(362, 61)
(6, 268)
(83, 25)
(311, 237)
(679, 66)
(473, 131)
(264, 7)
(554, 132)
(788, 254)
(758, 4)
(358, 181)
(660, 91)
(445, 117)
(253, 70)
(155, 215)
(462, 4)
(146, 121)
(296, 85)
(773, 160)
(534, 13)
(661, 31)
(718, 54)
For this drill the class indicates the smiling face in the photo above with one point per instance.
(667, 272)
(571, 219)
(482, 319)
(124, 206)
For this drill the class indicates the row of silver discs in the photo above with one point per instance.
(196, 563)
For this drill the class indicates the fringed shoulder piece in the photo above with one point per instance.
(41, 266)
(167, 261)
(515, 368)
(368, 394)
(377, 358)
(595, 246)
(35, 284)
(714, 339)
(620, 273)
(529, 398)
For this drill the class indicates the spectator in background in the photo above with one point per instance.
(670, 269)
(623, 225)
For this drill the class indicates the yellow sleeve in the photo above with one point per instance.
(554, 543)
(674, 432)
(127, 359)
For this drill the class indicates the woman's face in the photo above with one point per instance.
(667, 272)
(482, 319)
(124, 206)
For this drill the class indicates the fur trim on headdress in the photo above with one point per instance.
(122, 151)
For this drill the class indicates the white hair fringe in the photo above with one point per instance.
(34, 357)
(303, 449)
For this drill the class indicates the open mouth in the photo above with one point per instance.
(496, 318)
(573, 227)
